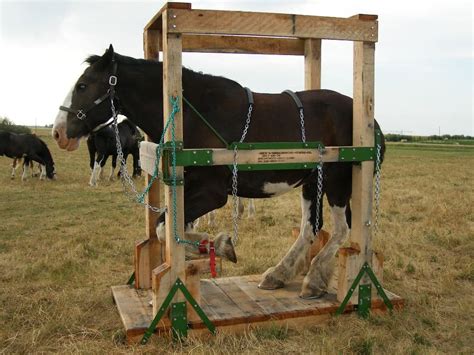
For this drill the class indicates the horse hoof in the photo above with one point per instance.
(309, 294)
(269, 281)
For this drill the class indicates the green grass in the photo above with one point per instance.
(63, 244)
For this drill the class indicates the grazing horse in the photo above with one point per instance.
(30, 148)
(102, 144)
(225, 104)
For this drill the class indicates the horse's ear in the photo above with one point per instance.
(108, 55)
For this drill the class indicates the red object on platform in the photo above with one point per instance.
(212, 259)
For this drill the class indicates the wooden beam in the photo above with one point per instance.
(242, 45)
(270, 25)
(172, 88)
(363, 135)
(157, 21)
(312, 64)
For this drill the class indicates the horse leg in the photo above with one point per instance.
(316, 281)
(294, 260)
(14, 166)
(251, 208)
(96, 171)
(112, 168)
(240, 207)
(26, 167)
(136, 162)
(338, 192)
(211, 219)
(43, 171)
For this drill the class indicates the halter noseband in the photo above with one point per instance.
(81, 114)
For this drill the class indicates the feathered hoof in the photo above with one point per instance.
(270, 280)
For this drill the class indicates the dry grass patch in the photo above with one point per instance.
(63, 244)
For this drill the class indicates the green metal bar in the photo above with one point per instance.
(276, 145)
(159, 314)
(365, 269)
(379, 288)
(179, 320)
(178, 285)
(206, 122)
(131, 280)
(196, 307)
(276, 166)
(343, 305)
(356, 154)
(365, 300)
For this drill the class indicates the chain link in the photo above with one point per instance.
(378, 173)
(235, 203)
(319, 187)
(303, 132)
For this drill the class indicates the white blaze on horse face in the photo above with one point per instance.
(60, 126)
(278, 188)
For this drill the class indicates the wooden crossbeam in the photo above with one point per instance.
(270, 25)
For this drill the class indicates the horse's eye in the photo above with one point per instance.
(81, 86)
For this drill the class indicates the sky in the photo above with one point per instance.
(423, 65)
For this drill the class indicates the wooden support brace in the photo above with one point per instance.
(348, 269)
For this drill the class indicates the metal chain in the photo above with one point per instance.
(303, 132)
(319, 187)
(235, 204)
(378, 173)
(125, 178)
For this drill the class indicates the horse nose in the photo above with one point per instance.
(56, 135)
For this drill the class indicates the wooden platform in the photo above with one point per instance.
(235, 303)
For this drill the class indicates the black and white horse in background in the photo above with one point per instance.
(102, 144)
(20, 161)
(30, 148)
(224, 103)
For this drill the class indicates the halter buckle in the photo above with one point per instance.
(80, 115)
(113, 80)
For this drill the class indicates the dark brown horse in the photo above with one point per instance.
(225, 103)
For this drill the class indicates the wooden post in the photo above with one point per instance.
(312, 64)
(172, 88)
(148, 252)
(362, 174)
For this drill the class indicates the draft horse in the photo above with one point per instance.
(29, 147)
(102, 144)
(224, 103)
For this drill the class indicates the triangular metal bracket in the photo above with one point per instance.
(178, 285)
(365, 303)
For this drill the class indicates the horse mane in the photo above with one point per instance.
(45, 152)
(122, 59)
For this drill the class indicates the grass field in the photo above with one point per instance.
(63, 244)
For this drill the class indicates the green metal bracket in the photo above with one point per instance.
(168, 160)
(179, 320)
(178, 285)
(356, 154)
(365, 302)
(131, 280)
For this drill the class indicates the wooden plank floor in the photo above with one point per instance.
(232, 301)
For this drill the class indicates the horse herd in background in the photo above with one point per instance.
(27, 148)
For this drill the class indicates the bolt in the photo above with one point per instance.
(174, 26)
(174, 16)
(194, 152)
(195, 162)
(208, 162)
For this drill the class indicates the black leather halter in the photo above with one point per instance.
(81, 114)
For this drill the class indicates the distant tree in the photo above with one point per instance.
(7, 125)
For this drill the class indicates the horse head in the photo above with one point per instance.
(87, 106)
